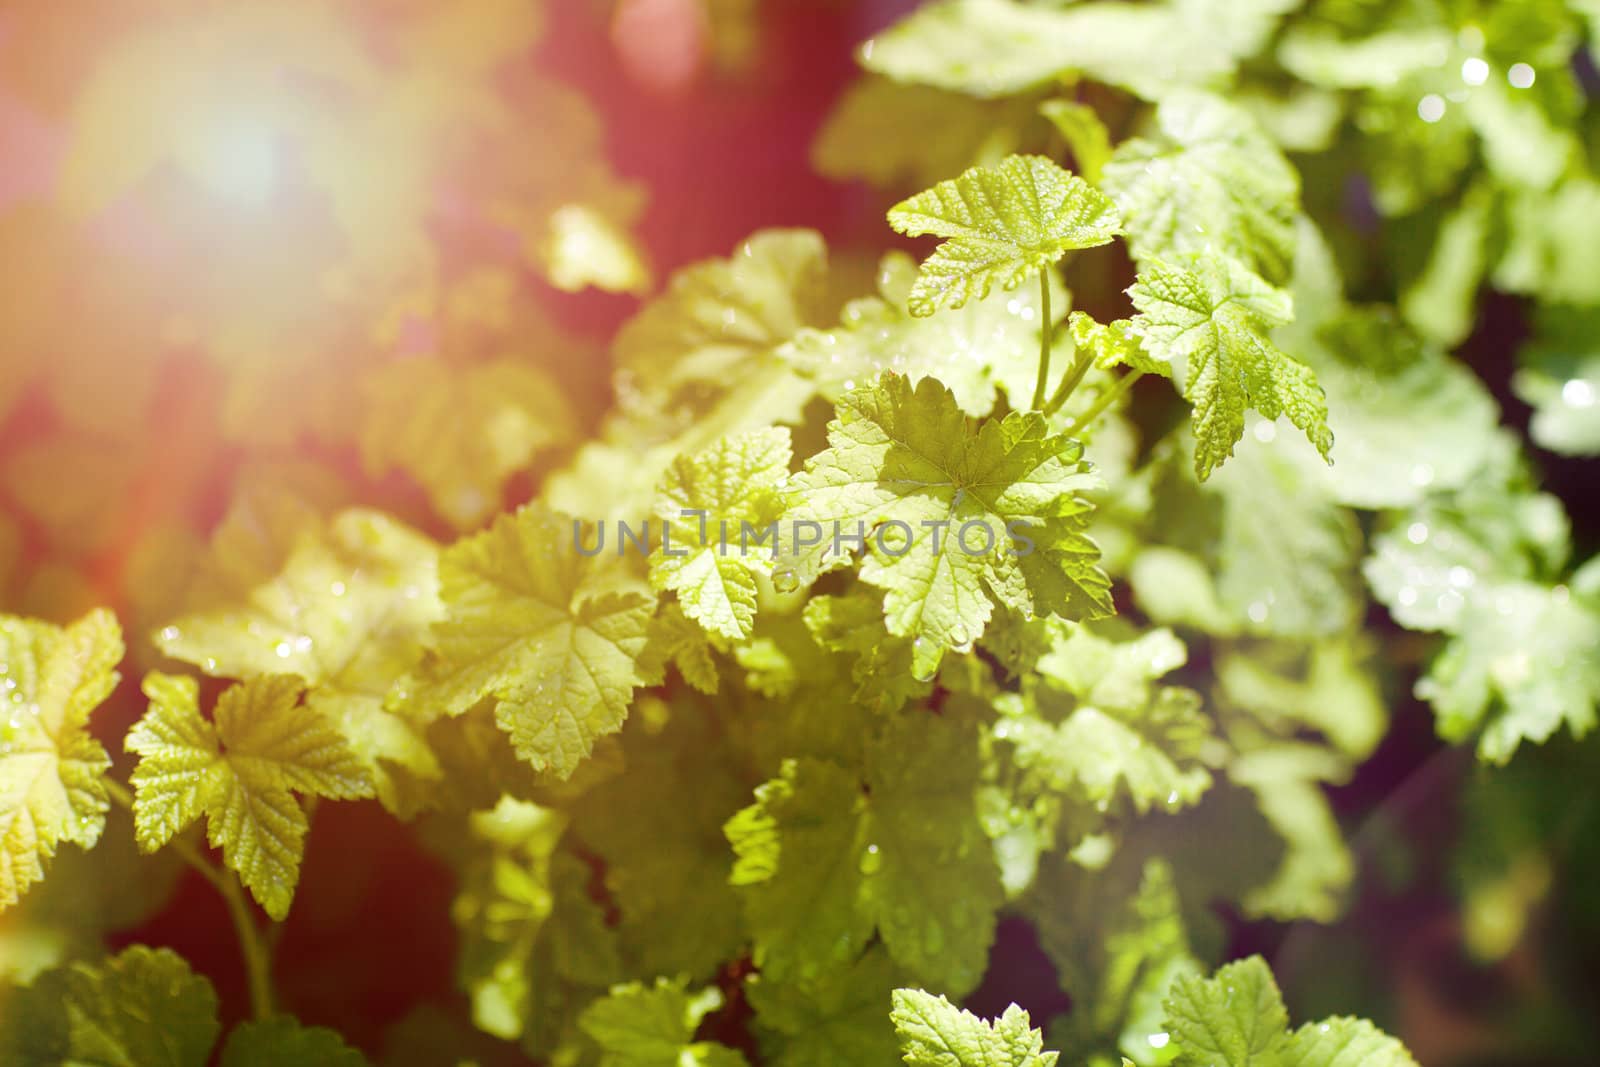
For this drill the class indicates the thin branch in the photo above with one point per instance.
(257, 956)
(1104, 401)
(1043, 381)
(1080, 366)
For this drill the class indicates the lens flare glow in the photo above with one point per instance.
(238, 162)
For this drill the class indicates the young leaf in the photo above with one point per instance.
(878, 132)
(348, 609)
(1212, 181)
(988, 347)
(1085, 133)
(1214, 316)
(1114, 344)
(1559, 376)
(1525, 661)
(714, 328)
(1001, 225)
(907, 463)
(1236, 1018)
(822, 861)
(711, 499)
(553, 635)
(241, 771)
(838, 1018)
(281, 1040)
(51, 767)
(666, 860)
(640, 1026)
(141, 1007)
(1000, 47)
(460, 432)
(1118, 940)
(935, 1033)
(1344, 1042)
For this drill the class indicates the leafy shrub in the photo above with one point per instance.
(1054, 579)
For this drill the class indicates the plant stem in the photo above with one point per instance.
(1105, 400)
(1043, 381)
(1069, 382)
(257, 956)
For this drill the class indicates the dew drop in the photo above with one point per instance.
(283, 649)
(1417, 533)
(784, 579)
(1577, 393)
(169, 633)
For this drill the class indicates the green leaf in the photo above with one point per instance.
(1409, 420)
(838, 1018)
(714, 501)
(582, 246)
(553, 635)
(1427, 564)
(1118, 940)
(1525, 660)
(935, 1033)
(1559, 377)
(1214, 317)
(988, 347)
(1344, 1042)
(1154, 756)
(1553, 244)
(348, 608)
(461, 432)
(1317, 867)
(241, 772)
(52, 769)
(281, 1040)
(901, 463)
(883, 667)
(1000, 225)
(1000, 47)
(1211, 180)
(712, 332)
(1085, 133)
(676, 640)
(1114, 344)
(878, 132)
(1440, 299)
(1118, 734)
(640, 1026)
(1114, 675)
(143, 1007)
(827, 855)
(1235, 1018)
(530, 934)
(666, 860)
(1330, 687)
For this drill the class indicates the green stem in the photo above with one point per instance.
(1105, 400)
(1043, 381)
(257, 956)
(1080, 366)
